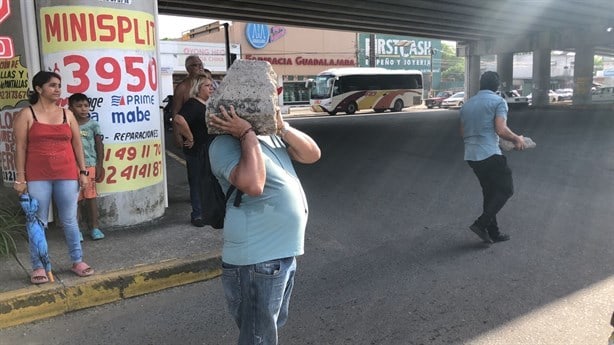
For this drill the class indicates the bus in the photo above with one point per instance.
(356, 88)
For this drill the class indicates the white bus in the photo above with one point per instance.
(355, 88)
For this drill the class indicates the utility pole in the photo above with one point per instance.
(371, 50)
(227, 45)
(431, 53)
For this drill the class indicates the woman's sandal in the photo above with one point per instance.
(82, 269)
(39, 276)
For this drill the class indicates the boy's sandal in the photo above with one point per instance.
(82, 269)
(97, 234)
(39, 276)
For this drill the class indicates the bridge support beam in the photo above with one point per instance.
(472, 75)
(505, 68)
(583, 75)
(541, 76)
(563, 39)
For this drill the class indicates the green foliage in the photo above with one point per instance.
(598, 63)
(12, 223)
(453, 67)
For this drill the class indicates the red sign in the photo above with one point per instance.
(6, 48)
(6, 43)
(5, 10)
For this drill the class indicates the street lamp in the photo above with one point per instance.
(432, 52)
(371, 50)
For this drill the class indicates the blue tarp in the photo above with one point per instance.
(36, 229)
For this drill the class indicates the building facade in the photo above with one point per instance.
(298, 54)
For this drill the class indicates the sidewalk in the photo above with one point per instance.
(129, 262)
(297, 111)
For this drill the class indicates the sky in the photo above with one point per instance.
(174, 26)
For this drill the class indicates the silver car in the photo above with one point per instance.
(456, 101)
(513, 99)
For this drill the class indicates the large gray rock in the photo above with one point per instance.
(251, 87)
(507, 145)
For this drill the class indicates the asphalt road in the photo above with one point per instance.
(389, 258)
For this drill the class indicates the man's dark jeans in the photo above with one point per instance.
(497, 187)
(195, 164)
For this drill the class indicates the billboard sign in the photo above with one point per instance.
(401, 52)
(109, 54)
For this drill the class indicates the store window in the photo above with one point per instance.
(295, 93)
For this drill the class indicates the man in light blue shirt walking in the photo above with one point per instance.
(483, 120)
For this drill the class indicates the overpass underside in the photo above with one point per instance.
(481, 27)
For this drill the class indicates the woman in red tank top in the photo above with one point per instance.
(50, 164)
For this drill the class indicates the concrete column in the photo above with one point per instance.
(505, 68)
(472, 75)
(541, 76)
(583, 75)
(112, 57)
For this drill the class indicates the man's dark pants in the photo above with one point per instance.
(195, 164)
(495, 177)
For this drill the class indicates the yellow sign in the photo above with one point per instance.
(131, 166)
(13, 82)
(64, 27)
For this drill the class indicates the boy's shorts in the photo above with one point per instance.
(89, 192)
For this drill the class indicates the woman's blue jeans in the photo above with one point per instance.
(65, 194)
(258, 297)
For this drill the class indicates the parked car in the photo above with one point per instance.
(552, 97)
(513, 99)
(436, 101)
(603, 94)
(455, 101)
(564, 94)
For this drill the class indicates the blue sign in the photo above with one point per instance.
(608, 73)
(257, 35)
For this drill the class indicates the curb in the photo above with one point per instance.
(48, 300)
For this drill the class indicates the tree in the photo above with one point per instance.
(597, 64)
(452, 66)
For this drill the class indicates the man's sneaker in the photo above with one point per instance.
(198, 222)
(481, 232)
(500, 238)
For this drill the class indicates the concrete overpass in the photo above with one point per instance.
(481, 27)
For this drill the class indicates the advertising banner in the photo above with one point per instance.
(109, 54)
(13, 82)
(401, 52)
(404, 52)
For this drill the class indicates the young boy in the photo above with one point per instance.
(93, 149)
